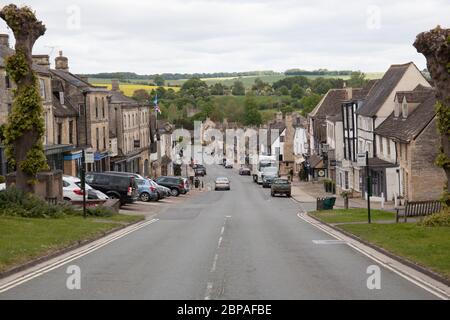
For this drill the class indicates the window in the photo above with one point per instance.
(388, 147)
(42, 88)
(104, 137)
(97, 138)
(346, 180)
(281, 138)
(96, 108)
(9, 107)
(103, 108)
(59, 133)
(70, 131)
(7, 82)
(124, 121)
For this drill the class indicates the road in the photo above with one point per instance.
(238, 244)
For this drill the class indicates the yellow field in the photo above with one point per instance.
(128, 89)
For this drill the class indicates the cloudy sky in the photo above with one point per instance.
(156, 36)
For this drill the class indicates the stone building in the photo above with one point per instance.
(129, 123)
(408, 138)
(92, 106)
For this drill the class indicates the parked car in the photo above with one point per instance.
(147, 192)
(72, 190)
(116, 186)
(199, 170)
(175, 184)
(280, 186)
(268, 175)
(161, 191)
(186, 186)
(222, 183)
(244, 171)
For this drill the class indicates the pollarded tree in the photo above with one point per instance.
(435, 46)
(25, 127)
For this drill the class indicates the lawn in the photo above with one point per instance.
(24, 239)
(427, 246)
(352, 215)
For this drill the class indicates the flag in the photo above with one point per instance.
(156, 107)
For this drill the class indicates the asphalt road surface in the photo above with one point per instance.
(238, 244)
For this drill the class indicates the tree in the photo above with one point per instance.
(357, 80)
(435, 46)
(25, 127)
(141, 95)
(309, 102)
(238, 88)
(297, 92)
(283, 91)
(251, 113)
(195, 88)
(159, 80)
(217, 89)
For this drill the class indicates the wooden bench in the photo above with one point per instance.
(418, 209)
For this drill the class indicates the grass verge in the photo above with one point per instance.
(427, 246)
(351, 215)
(25, 239)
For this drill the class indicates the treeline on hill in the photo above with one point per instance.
(177, 76)
(197, 101)
(180, 76)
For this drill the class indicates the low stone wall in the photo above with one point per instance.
(49, 185)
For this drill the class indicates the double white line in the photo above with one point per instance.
(14, 280)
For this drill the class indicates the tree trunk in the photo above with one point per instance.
(27, 29)
(435, 46)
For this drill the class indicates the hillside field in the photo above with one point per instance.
(128, 89)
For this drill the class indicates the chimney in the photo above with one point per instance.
(42, 60)
(115, 85)
(61, 62)
(4, 40)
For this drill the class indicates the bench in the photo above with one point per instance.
(418, 209)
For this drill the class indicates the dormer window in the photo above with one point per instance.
(404, 108)
(397, 109)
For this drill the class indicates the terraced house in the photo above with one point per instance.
(129, 125)
(408, 139)
(92, 106)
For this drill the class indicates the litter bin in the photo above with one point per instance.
(328, 203)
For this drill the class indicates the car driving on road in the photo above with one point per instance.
(280, 186)
(222, 183)
(268, 175)
(244, 171)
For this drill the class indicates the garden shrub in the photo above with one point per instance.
(441, 219)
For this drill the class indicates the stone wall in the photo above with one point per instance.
(426, 180)
(49, 184)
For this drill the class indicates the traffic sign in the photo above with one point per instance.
(361, 159)
(89, 156)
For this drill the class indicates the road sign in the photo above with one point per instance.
(361, 159)
(89, 156)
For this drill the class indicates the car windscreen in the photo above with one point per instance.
(270, 170)
(281, 181)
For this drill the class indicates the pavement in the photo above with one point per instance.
(238, 244)
(308, 192)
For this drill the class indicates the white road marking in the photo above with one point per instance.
(222, 230)
(329, 242)
(209, 288)
(393, 265)
(219, 242)
(11, 282)
(213, 268)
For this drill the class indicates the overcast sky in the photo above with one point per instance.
(189, 36)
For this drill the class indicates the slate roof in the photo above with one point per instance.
(330, 103)
(7, 51)
(382, 89)
(419, 94)
(65, 110)
(76, 81)
(408, 129)
(119, 98)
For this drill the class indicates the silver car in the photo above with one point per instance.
(222, 183)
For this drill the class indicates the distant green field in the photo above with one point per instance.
(247, 80)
